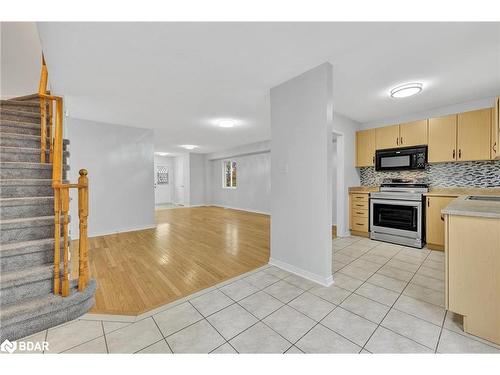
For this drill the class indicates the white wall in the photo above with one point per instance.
(21, 56)
(434, 112)
(119, 160)
(334, 181)
(197, 176)
(165, 193)
(253, 191)
(345, 131)
(301, 176)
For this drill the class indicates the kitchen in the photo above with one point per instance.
(435, 183)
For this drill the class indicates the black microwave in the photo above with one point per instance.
(404, 158)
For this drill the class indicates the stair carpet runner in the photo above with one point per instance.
(27, 302)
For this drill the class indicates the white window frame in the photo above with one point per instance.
(224, 162)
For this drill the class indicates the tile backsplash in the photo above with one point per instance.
(485, 174)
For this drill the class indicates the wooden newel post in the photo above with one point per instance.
(57, 239)
(83, 212)
(65, 212)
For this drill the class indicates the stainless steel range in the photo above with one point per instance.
(397, 212)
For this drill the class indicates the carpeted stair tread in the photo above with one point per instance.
(19, 112)
(21, 103)
(23, 124)
(21, 247)
(42, 305)
(26, 276)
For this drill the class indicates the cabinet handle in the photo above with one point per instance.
(453, 154)
(397, 141)
(460, 153)
(401, 140)
(428, 202)
(360, 205)
(442, 217)
(373, 160)
(495, 147)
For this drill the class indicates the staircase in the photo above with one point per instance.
(28, 303)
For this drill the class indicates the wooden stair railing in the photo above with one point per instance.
(51, 130)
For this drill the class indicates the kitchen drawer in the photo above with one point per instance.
(359, 212)
(359, 205)
(359, 197)
(360, 224)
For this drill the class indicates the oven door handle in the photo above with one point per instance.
(395, 202)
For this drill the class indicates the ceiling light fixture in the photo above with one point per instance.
(162, 153)
(226, 123)
(406, 90)
(189, 147)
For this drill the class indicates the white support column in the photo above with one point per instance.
(301, 174)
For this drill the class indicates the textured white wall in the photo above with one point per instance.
(301, 175)
(197, 176)
(119, 160)
(253, 191)
(21, 56)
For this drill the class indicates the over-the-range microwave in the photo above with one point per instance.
(405, 158)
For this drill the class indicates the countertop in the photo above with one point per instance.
(436, 191)
(464, 207)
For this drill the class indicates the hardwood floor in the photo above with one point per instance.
(189, 250)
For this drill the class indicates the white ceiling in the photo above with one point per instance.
(177, 78)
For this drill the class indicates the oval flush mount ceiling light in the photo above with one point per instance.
(406, 90)
(227, 123)
(189, 147)
(162, 153)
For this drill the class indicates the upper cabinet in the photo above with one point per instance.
(387, 137)
(495, 130)
(474, 135)
(413, 133)
(442, 139)
(365, 148)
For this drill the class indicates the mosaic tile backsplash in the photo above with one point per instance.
(485, 174)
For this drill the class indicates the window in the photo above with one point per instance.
(229, 174)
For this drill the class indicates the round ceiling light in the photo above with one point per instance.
(189, 147)
(406, 90)
(162, 153)
(226, 123)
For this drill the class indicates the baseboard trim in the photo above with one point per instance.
(239, 209)
(76, 236)
(325, 281)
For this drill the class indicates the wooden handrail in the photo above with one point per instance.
(51, 132)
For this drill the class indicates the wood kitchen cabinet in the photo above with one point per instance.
(387, 137)
(359, 214)
(413, 133)
(474, 135)
(365, 148)
(434, 221)
(442, 139)
(495, 130)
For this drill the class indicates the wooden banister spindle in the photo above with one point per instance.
(83, 212)
(57, 239)
(43, 130)
(65, 213)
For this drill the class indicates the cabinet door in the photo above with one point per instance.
(434, 225)
(387, 137)
(442, 139)
(365, 148)
(413, 133)
(495, 130)
(474, 133)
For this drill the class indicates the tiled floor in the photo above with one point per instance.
(386, 299)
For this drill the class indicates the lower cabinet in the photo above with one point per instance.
(359, 214)
(434, 221)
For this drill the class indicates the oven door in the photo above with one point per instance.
(396, 217)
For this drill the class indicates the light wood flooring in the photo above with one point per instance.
(189, 250)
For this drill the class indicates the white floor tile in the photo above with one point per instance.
(261, 304)
(96, 346)
(349, 325)
(423, 310)
(289, 323)
(177, 318)
(239, 289)
(284, 291)
(231, 321)
(365, 307)
(260, 339)
(377, 293)
(331, 293)
(160, 347)
(451, 342)
(387, 282)
(134, 337)
(200, 337)
(212, 302)
(75, 333)
(385, 341)
(312, 306)
(322, 340)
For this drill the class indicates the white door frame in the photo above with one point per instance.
(340, 193)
